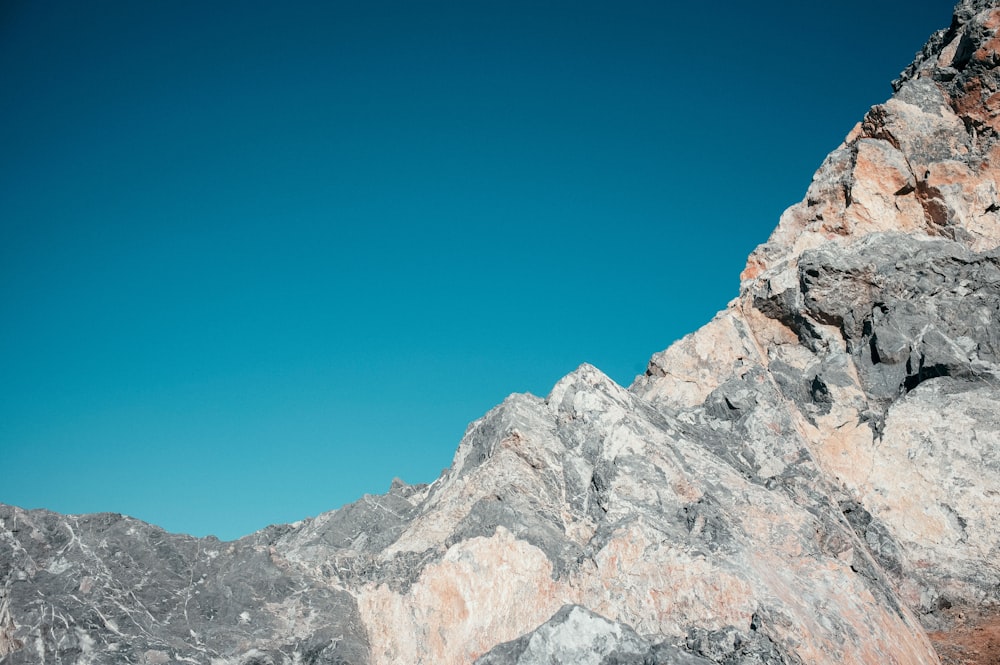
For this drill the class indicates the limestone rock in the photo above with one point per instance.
(812, 477)
(576, 636)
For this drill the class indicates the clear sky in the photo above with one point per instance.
(258, 258)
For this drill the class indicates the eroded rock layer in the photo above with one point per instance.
(812, 477)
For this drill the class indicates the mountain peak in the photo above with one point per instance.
(925, 162)
(811, 477)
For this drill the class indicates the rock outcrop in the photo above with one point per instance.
(812, 477)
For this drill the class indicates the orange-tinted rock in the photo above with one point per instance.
(812, 477)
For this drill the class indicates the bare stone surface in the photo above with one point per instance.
(812, 477)
(576, 636)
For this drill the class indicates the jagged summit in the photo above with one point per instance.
(812, 477)
(924, 163)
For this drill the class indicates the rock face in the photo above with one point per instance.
(812, 477)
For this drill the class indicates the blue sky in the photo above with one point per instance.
(259, 258)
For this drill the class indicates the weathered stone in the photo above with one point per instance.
(809, 478)
(576, 636)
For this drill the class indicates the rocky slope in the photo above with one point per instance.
(812, 477)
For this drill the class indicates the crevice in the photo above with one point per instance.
(819, 391)
(924, 373)
(873, 347)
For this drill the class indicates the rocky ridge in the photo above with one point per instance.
(812, 477)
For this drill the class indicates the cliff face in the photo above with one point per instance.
(812, 477)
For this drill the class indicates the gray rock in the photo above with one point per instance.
(112, 589)
(577, 636)
(810, 478)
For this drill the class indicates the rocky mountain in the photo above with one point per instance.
(812, 477)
